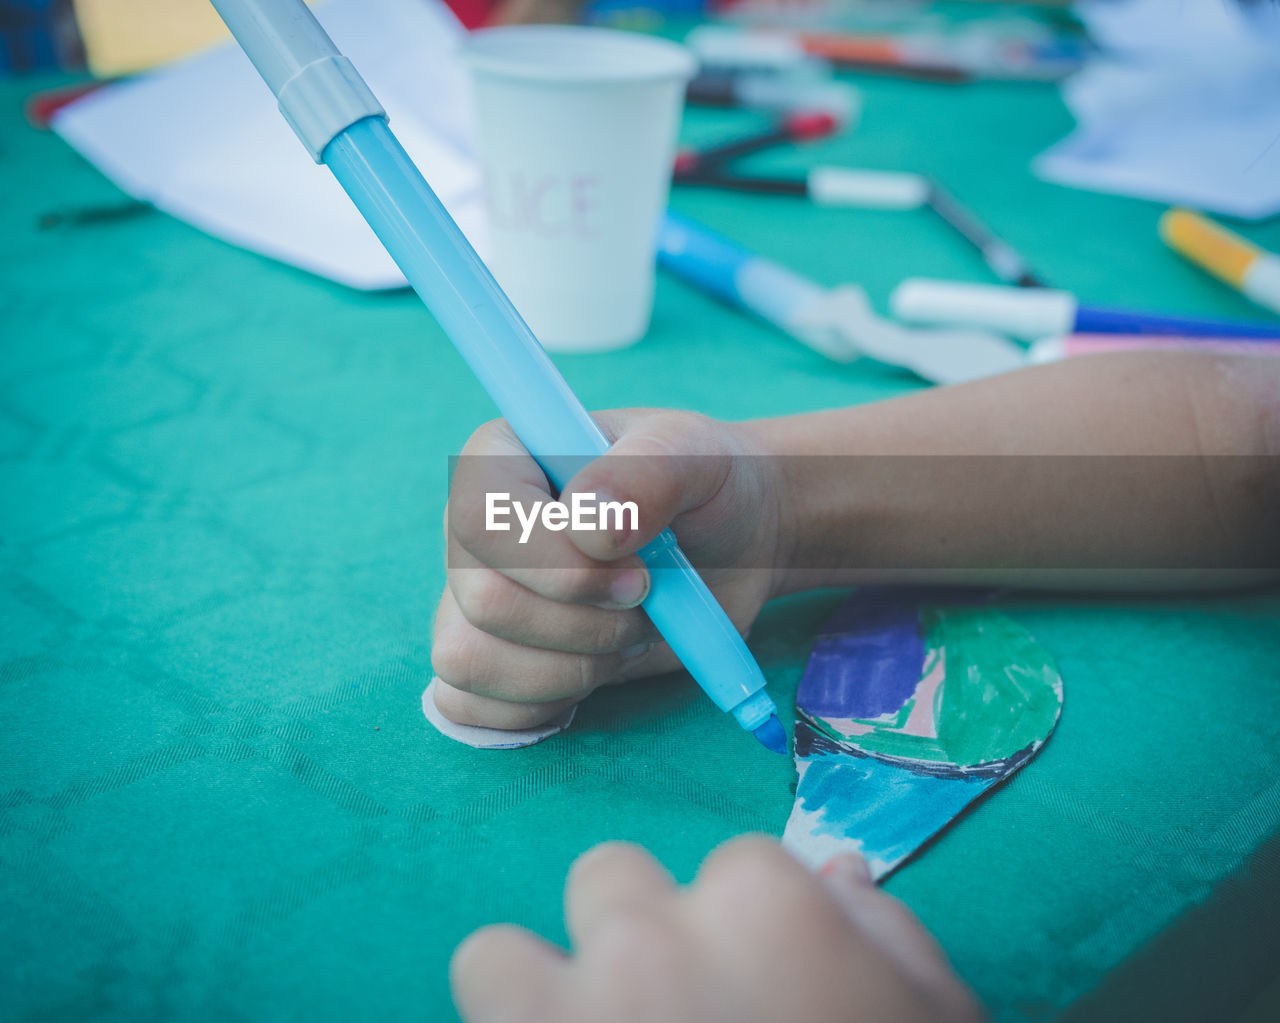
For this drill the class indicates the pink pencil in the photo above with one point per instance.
(1070, 345)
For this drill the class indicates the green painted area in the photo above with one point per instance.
(1002, 691)
(886, 742)
(999, 694)
(886, 738)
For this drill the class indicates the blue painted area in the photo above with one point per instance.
(891, 810)
(867, 661)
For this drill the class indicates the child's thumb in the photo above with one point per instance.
(662, 466)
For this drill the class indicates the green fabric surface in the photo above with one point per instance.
(221, 487)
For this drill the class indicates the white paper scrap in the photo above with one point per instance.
(202, 140)
(491, 738)
(1182, 106)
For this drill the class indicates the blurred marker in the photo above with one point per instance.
(835, 322)
(1003, 259)
(1224, 254)
(1052, 349)
(796, 127)
(826, 186)
(781, 92)
(1034, 313)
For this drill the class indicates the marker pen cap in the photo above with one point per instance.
(577, 134)
(866, 189)
(1209, 245)
(720, 46)
(1262, 282)
(1027, 313)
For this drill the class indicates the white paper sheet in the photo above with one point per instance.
(203, 141)
(1182, 107)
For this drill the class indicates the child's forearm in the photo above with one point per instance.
(1003, 481)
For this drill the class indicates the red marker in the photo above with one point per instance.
(798, 127)
(823, 185)
(883, 55)
(41, 107)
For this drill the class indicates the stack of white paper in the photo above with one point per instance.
(202, 139)
(1182, 106)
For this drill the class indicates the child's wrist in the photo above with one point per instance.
(794, 513)
(813, 531)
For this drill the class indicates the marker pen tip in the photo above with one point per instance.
(772, 736)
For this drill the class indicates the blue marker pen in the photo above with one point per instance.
(1034, 313)
(342, 125)
(733, 273)
(835, 322)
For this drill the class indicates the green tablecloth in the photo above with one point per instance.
(221, 485)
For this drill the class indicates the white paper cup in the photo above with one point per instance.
(577, 134)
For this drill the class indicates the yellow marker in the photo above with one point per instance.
(1224, 254)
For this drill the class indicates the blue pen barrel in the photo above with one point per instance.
(529, 391)
(678, 599)
(341, 124)
(457, 287)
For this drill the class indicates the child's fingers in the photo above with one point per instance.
(658, 659)
(495, 513)
(500, 606)
(891, 927)
(465, 708)
(492, 462)
(504, 974)
(611, 881)
(754, 864)
(665, 464)
(472, 660)
(549, 565)
(844, 873)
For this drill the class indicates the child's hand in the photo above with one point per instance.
(755, 938)
(516, 645)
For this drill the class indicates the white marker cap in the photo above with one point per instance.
(1262, 282)
(718, 46)
(1027, 313)
(863, 189)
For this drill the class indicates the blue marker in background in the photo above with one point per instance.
(342, 125)
(1035, 313)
